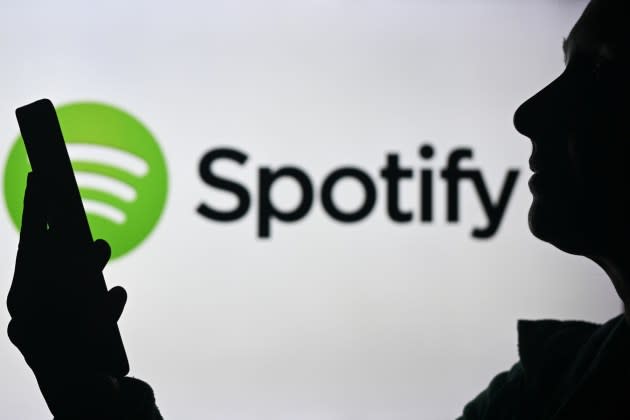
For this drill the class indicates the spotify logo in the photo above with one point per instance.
(119, 167)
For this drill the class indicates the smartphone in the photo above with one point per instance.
(47, 153)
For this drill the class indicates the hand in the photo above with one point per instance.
(51, 319)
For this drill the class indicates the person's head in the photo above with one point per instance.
(580, 129)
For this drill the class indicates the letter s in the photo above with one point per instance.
(208, 176)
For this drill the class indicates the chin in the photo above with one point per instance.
(558, 224)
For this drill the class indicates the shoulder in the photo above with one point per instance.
(500, 398)
(545, 344)
(548, 350)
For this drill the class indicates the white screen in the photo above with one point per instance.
(322, 320)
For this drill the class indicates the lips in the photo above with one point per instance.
(539, 165)
(535, 164)
(536, 183)
(547, 175)
(546, 183)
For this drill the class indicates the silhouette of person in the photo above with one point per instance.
(580, 133)
(567, 370)
(49, 317)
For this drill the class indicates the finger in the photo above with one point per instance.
(117, 298)
(21, 334)
(15, 333)
(34, 212)
(101, 252)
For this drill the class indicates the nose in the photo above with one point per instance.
(543, 112)
(523, 117)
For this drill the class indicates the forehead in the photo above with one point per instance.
(602, 30)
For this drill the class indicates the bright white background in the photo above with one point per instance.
(323, 321)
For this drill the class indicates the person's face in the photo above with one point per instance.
(580, 129)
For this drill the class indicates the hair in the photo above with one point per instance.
(608, 22)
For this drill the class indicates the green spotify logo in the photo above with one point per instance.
(119, 167)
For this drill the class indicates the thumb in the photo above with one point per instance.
(116, 300)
